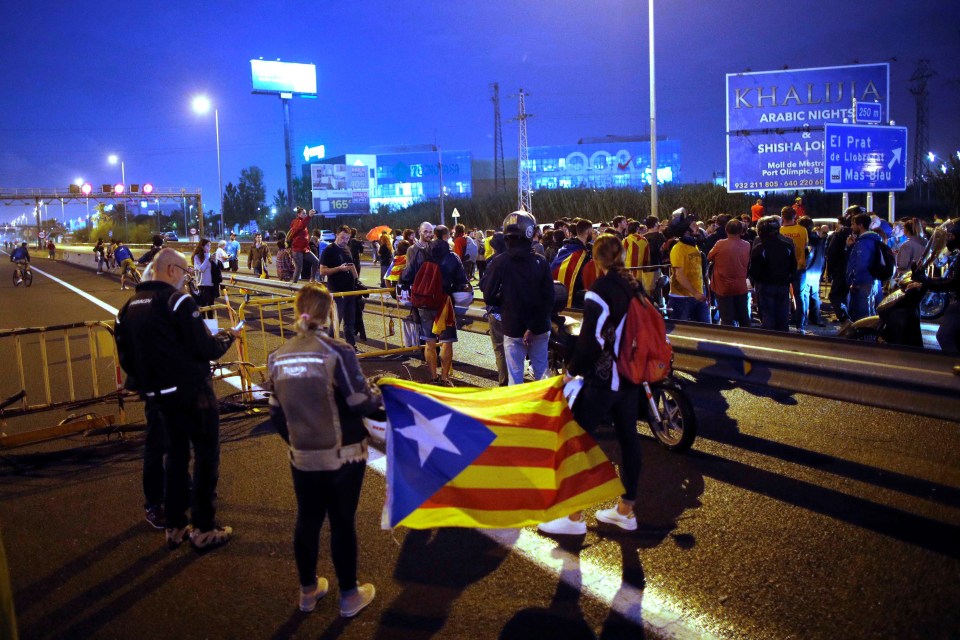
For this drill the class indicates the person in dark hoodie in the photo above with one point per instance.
(836, 263)
(454, 279)
(773, 264)
(521, 285)
(862, 248)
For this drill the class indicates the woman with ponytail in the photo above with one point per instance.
(606, 397)
(319, 397)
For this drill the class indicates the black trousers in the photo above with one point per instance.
(321, 494)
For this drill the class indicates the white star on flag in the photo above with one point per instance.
(428, 434)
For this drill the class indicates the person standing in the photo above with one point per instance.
(336, 265)
(356, 250)
(911, 250)
(798, 208)
(494, 319)
(285, 264)
(862, 248)
(731, 260)
(203, 272)
(688, 299)
(328, 448)
(258, 257)
(816, 259)
(233, 253)
(606, 396)
(164, 345)
(757, 210)
(99, 253)
(836, 263)
(521, 285)
(773, 264)
(798, 235)
(385, 256)
(299, 241)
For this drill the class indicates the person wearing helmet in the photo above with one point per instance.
(520, 283)
(688, 300)
(773, 265)
(948, 335)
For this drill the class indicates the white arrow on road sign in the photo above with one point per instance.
(895, 159)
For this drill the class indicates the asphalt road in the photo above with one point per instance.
(792, 517)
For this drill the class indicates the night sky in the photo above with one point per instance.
(87, 79)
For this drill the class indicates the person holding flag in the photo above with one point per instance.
(605, 394)
(328, 447)
(397, 265)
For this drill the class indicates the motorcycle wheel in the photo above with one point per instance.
(677, 427)
(933, 305)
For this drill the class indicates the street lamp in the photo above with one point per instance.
(113, 159)
(201, 105)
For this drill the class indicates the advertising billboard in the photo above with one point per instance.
(775, 121)
(340, 188)
(272, 77)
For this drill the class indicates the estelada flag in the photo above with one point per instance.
(566, 272)
(501, 457)
(396, 268)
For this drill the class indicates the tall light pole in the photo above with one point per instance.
(653, 121)
(113, 159)
(201, 105)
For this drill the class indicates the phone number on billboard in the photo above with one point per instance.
(774, 184)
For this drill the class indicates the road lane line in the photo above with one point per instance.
(79, 292)
(648, 607)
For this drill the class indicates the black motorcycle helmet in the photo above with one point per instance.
(679, 224)
(519, 224)
(157, 240)
(768, 226)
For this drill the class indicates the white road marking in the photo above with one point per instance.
(641, 606)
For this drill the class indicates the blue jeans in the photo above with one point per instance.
(734, 310)
(516, 352)
(800, 290)
(689, 308)
(347, 312)
(774, 302)
(496, 339)
(322, 494)
(312, 262)
(862, 300)
(813, 287)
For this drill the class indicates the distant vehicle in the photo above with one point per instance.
(170, 236)
(327, 235)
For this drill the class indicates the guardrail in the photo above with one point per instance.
(916, 381)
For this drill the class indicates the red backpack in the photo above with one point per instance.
(645, 354)
(427, 290)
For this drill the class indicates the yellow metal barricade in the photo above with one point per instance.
(81, 356)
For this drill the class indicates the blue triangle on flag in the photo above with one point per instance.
(430, 444)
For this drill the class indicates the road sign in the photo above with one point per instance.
(455, 214)
(868, 113)
(42, 235)
(193, 231)
(865, 158)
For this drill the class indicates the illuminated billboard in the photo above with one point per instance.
(340, 188)
(284, 77)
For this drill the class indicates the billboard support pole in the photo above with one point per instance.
(653, 121)
(287, 147)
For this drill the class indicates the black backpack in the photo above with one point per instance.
(884, 263)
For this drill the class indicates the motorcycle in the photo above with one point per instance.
(935, 303)
(898, 315)
(667, 410)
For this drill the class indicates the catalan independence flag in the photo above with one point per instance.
(396, 268)
(502, 457)
(566, 272)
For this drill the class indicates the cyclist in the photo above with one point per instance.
(124, 259)
(21, 255)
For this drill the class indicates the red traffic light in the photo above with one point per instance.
(118, 188)
(147, 188)
(86, 188)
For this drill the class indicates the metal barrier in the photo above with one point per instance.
(83, 382)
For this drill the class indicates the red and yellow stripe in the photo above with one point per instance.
(396, 268)
(566, 272)
(541, 465)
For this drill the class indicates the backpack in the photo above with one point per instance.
(645, 354)
(884, 263)
(472, 249)
(427, 290)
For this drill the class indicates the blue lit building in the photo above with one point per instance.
(603, 163)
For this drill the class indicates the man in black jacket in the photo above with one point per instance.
(166, 349)
(773, 264)
(837, 264)
(520, 283)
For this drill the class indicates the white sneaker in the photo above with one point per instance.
(563, 527)
(612, 516)
(308, 601)
(350, 605)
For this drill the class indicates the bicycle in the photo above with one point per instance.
(22, 274)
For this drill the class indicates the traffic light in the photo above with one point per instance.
(147, 188)
(74, 188)
(118, 188)
(106, 188)
(134, 188)
(86, 189)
